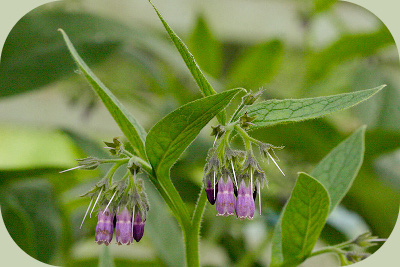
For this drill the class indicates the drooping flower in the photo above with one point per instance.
(104, 228)
(138, 227)
(244, 202)
(225, 202)
(211, 194)
(123, 227)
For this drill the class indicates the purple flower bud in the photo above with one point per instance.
(138, 227)
(123, 227)
(225, 202)
(104, 228)
(245, 202)
(210, 192)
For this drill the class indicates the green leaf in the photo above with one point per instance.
(303, 219)
(105, 258)
(168, 139)
(34, 56)
(257, 65)
(206, 48)
(132, 130)
(339, 168)
(190, 62)
(272, 112)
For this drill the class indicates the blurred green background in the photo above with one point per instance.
(292, 49)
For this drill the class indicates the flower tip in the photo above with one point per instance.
(138, 227)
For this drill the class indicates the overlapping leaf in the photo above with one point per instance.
(339, 168)
(336, 173)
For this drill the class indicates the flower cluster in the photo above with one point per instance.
(122, 205)
(124, 201)
(236, 174)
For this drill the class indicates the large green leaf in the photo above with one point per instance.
(256, 66)
(168, 139)
(132, 130)
(34, 55)
(274, 111)
(206, 48)
(303, 219)
(339, 168)
(190, 62)
(336, 172)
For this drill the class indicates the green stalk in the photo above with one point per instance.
(191, 239)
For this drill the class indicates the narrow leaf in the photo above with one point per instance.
(257, 65)
(303, 219)
(274, 111)
(190, 62)
(132, 130)
(339, 168)
(168, 139)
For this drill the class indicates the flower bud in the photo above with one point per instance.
(138, 227)
(244, 202)
(225, 202)
(104, 228)
(123, 227)
(250, 98)
(210, 192)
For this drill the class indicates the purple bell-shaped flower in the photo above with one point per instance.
(104, 228)
(138, 227)
(225, 202)
(245, 201)
(123, 227)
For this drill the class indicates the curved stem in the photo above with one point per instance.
(199, 209)
(326, 250)
(246, 138)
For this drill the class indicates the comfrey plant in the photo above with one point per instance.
(229, 173)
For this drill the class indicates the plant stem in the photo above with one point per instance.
(326, 250)
(191, 247)
(246, 138)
